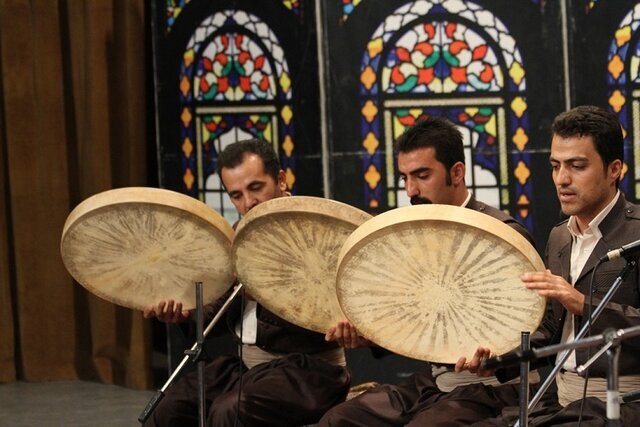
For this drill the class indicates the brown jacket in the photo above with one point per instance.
(620, 227)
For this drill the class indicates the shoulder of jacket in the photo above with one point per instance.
(631, 211)
(561, 223)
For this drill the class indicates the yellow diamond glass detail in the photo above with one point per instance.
(369, 111)
(520, 138)
(370, 143)
(616, 100)
(372, 176)
(522, 173)
(519, 106)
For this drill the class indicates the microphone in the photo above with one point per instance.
(627, 251)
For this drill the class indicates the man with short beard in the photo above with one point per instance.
(287, 375)
(432, 165)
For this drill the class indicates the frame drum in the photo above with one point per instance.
(432, 282)
(285, 252)
(137, 246)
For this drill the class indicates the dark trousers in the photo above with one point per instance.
(293, 390)
(417, 401)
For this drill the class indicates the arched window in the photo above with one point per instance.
(457, 60)
(623, 79)
(234, 84)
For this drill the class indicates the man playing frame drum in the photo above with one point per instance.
(432, 164)
(587, 165)
(290, 376)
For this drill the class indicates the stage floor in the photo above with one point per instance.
(70, 403)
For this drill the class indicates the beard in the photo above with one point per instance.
(420, 201)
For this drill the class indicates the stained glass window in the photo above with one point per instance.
(453, 59)
(623, 79)
(172, 10)
(348, 6)
(234, 84)
(293, 5)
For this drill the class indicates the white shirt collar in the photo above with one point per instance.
(466, 201)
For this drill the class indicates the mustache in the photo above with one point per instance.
(420, 201)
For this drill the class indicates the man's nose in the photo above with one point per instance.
(410, 188)
(563, 176)
(249, 202)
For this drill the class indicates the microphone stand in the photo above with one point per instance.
(630, 265)
(612, 347)
(197, 355)
(524, 379)
(611, 338)
(192, 353)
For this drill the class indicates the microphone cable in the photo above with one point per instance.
(589, 310)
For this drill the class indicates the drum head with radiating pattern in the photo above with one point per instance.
(285, 252)
(137, 246)
(433, 282)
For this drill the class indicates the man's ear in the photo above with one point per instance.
(615, 169)
(457, 173)
(282, 181)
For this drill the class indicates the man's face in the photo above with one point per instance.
(249, 185)
(426, 180)
(583, 184)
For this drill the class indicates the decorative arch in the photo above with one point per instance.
(348, 6)
(455, 59)
(234, 80)
(175, 7)
(623, 80)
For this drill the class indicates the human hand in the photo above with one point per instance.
(551, 286)
(346, 335)
(475, 365)
(167, 311)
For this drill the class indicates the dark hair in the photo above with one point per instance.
(233, 154)
(600, 124)
(435, 132)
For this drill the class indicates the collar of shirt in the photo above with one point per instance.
(466, 201)
(594, 226)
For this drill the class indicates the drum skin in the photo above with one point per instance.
(432, 282)
(136, 246)
(285, 253)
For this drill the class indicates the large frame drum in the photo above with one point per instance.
(137, 246)
(432, 282)
(285, 252)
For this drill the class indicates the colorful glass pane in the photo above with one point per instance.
(439, 13)
(293, 5)
(234, 68)
(624, 81)
(173, 9)
(222, 66)
(441, 57)
(348, 7)
(445, 47)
